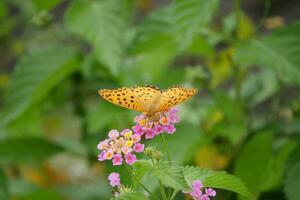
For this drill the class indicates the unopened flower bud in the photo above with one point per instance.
(153, 153)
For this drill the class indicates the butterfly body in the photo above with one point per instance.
(147, 99)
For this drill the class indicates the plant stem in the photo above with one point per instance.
(130, 171)
(166, 149)
(173, 195)
(162, 190)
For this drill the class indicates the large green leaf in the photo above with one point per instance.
(3, 186)
(253, 167)
(102, 24)
(278, 50)
(215, 179)
(26, 149)
(34, 76)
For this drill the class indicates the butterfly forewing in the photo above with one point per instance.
(137, 98)
(174, 96)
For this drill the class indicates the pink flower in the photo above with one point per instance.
(170, 129)
(113, 134)
(117, 159)
(174, 119)
(150, 134)
(210, 192)
(197, 193)
(108, 154)
(125, 131)
(158, 129)
(130, 158)
(126, 150)
(136, 138)
(203, 197)
(197, 184)
(164, 120)
(101, 156)
(102, 145)
(138, 118)
(138, 129)
(138, 147)
(114, 179)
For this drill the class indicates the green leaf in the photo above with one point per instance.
(131, 196)
(4, 195)
(292, 178)
(141, 167)
(182, 20)
(21, 150)
(267, 83)
(170, 176)
(189, 17)
(253, 167)
(46, 4)
(33, 77)
(102, 24)
(219, 179)
(278, 50)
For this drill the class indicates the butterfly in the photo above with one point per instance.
(148, 99)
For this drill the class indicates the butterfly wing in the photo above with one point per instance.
(174, 96)
(138, 98)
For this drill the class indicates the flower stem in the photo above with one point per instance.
(162, 191)
(166, 149)
(130, 171)
(173, 195)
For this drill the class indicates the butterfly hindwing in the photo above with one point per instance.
(136, 98)
(174, 96)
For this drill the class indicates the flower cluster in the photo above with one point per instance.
(155, 124)
(120, 146)
(198, 192)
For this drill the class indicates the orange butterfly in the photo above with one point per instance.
(148, 99)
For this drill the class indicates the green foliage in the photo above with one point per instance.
(265, 170)
(34, 76)
(102, 24)
(245, 119)
(278, 50)
(131, 196)
(170, 176)
(292, 179)
(20, 150)
(214, 179)
(3, 186)
(181, 178)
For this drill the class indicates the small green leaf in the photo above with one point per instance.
(33, 77)
(219, 179)
(4, 195)
(26, 149)
(131, 196)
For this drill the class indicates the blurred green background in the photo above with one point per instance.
(243, 56)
